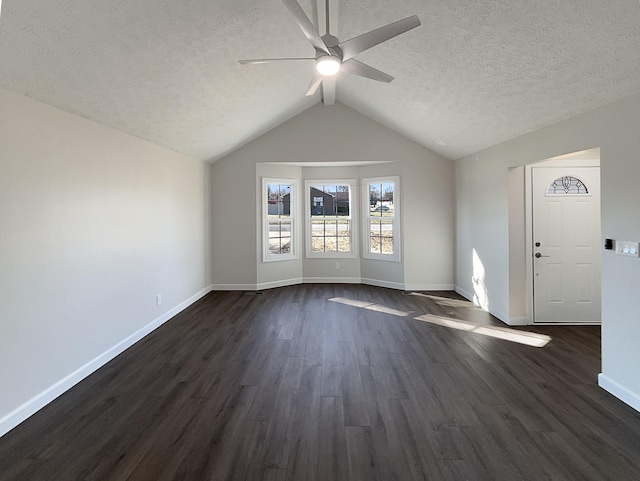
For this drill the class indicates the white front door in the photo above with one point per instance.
(566, 244)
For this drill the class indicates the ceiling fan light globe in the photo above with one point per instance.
(328, 65)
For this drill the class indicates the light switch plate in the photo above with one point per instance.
(627, 248)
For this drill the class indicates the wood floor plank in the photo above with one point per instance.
(279, 436)
(313, 353)
(420, 460)
(289, 384)
(332, 447)
(361, 454)
(353, 396)
(268, 378)
(305, 427)
(300, 335)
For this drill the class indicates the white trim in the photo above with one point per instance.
(259, 286)
(332, 280)
(528, 242)
(280, 283)
(306, 280)
(567, 323)
(380, 283)
(499, 314)
(466, 294)
(33, 405)
(234, 287)
(628, 397)
(494, 312)
(519, 321)
(428, 287)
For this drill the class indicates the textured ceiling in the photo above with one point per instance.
(476, 73)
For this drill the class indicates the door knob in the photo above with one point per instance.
(538, 255)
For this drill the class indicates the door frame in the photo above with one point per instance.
(592, 159)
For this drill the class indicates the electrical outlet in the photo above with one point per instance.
(337, 265)
(158, 299)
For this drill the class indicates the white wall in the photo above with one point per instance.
(482, 224)
(335, 136)
(93, 225)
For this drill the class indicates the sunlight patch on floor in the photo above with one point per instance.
(447, 302)
(370, 306)
(521, 337)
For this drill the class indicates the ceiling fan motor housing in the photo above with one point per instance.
(329, 65)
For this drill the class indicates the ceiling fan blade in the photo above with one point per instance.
(272, 60)
(309, 30)
(370, 39)
(354, 67)
(315, 83)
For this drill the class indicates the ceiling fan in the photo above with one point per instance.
(333, 56)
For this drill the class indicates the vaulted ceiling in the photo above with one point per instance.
(476, 73)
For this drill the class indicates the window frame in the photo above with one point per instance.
(267, 255)
(367, 217)
(352, 218)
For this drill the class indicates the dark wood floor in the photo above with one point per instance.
(290, 385)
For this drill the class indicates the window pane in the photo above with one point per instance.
(381, 217)
(329, 200)
(329, 218)
(317, 236)
(279, 237)
(381, 199)
(567, 185)
(381, 236)
(343, 235)
(279, 200)
(331, 235)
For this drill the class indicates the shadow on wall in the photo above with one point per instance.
(480, 295)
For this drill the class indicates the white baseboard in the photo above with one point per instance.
(33, 405)
(519, 321)
(379, 283)
(257, 287)
(332, 280)
(466, 294)
(499, 314)
(317, 280)
(494, 312)
(629, 397)
(428, 287)
(234, 287)
(281, 283)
